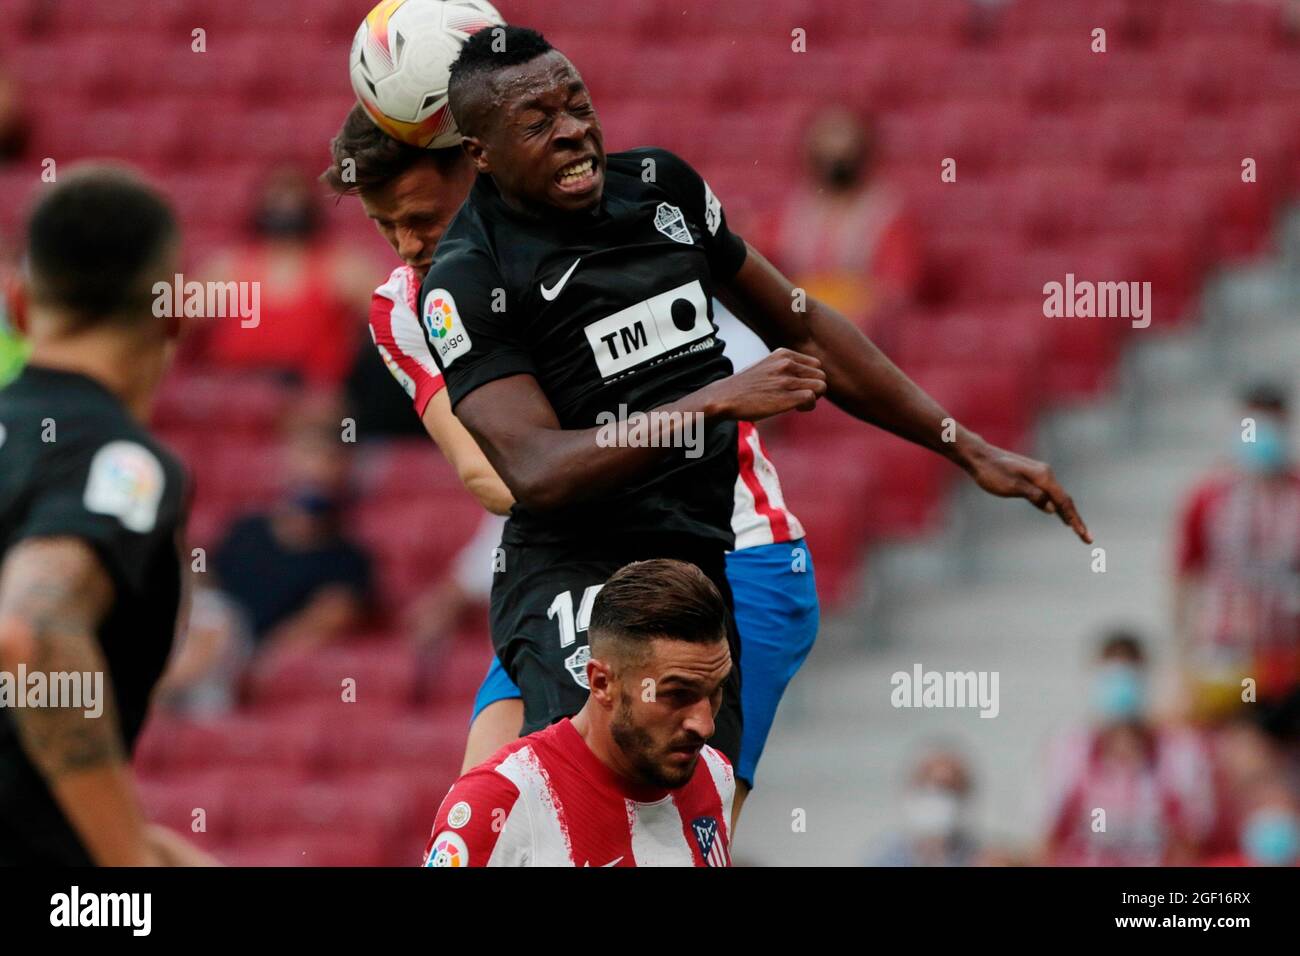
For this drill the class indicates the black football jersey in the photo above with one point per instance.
(610, 310)
(74, 463)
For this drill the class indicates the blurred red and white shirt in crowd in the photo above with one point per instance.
(1153, 802)
(1240, 535)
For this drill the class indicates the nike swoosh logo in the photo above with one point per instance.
(611, 862)
(550, 294)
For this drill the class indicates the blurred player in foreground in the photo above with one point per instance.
(91, 511)
(629, 779)
(411, 195)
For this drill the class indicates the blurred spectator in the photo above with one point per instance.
(935, 812)
(844, 235)
(15, 130)
(13, 350)
(1242, 755)
(313, 295)
(211, 653)
(293, 571)
(1154, 784)
(1270, 828)
(1237, 602)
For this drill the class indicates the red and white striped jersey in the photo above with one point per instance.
(396, 332)
(760, 515)
(547, 800)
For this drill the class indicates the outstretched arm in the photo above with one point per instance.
(865, 383)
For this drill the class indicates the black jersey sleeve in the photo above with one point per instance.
(725, 249)
(120, 496)
(465, 314)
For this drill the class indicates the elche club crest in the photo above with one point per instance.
(670, 221)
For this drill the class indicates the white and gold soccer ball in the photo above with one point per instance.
(401, 61)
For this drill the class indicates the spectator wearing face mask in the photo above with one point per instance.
(1269, 833)
(936, 830)
(845, 234)
(313, 295)
(1237, 599)
(295, 574)
(1123, 791)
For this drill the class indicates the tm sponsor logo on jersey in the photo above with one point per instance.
(443, 323)
(650, 329)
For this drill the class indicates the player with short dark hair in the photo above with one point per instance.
(630, 779)
(91, 512)
(575, 283)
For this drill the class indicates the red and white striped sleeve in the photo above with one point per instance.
(396, 332)
(482, 822)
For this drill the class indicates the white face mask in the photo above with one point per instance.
(933, 812)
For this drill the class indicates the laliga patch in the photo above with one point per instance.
(670, 221)
(448, 850)
(712, 211)
(126, 481)
(444, 325)
(459, 815)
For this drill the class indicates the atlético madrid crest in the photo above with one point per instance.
(670, 221)
(706, 837)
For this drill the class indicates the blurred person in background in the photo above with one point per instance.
(212, 652)
(1237, 590)
(1269, 833)
(299, 578)
(844, 235)
(313, 293)
(13, 350)
(15, 129)
(1243, 754)
(936, 827)
(1153, 783)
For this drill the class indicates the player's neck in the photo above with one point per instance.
(546, 213)
(595, 733)
(112, 361)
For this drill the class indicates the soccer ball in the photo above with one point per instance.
(401, 61)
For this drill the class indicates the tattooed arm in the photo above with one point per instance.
(53, 594)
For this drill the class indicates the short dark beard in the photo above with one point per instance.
(637, 747)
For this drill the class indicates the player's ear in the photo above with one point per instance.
(600, 678)
(476, 149)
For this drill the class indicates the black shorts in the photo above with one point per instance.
(538, 623)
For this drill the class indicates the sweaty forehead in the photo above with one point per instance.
(519, 87)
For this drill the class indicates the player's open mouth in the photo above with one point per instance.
(577, 177)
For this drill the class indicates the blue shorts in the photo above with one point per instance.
(777, 614)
